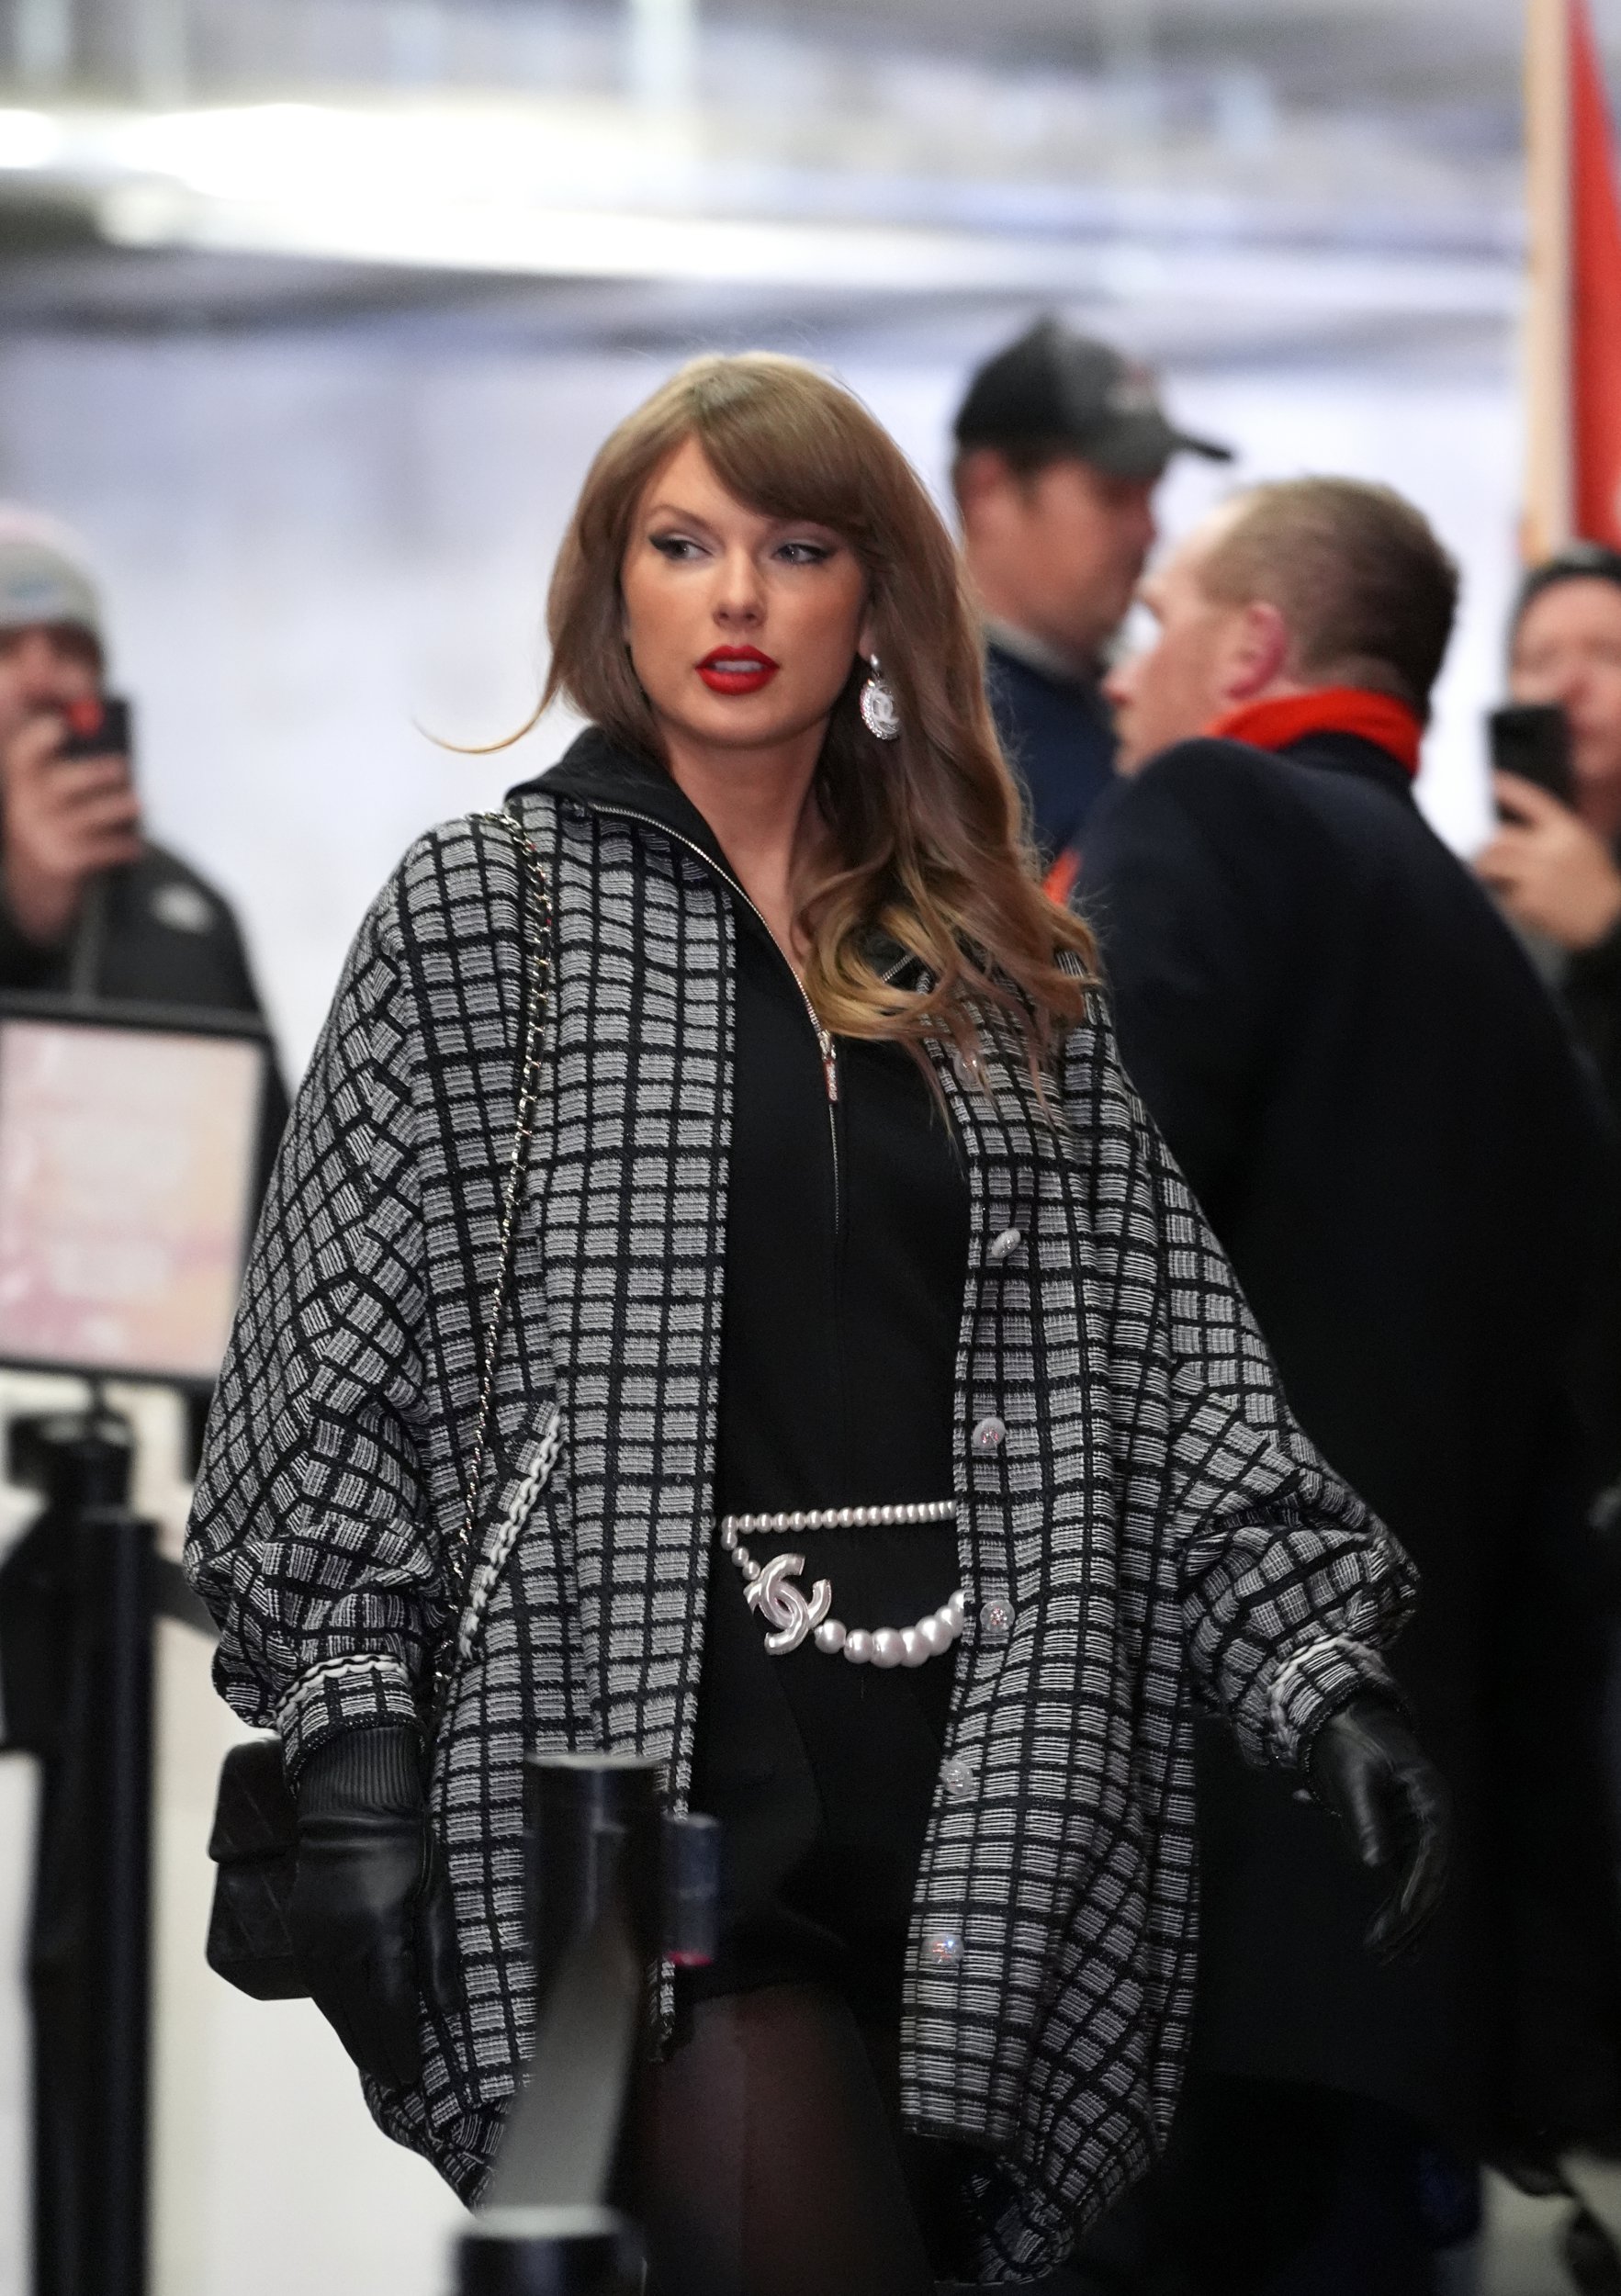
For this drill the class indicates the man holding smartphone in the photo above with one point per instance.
(1556, 866)
(89, 907)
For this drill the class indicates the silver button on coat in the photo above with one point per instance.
(944, 1950)
(957, 1775)
(987, 1434)
(1001, 1247)
(995, 1621)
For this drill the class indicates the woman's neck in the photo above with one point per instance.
(761, 808)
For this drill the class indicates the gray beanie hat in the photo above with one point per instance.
(43, 576)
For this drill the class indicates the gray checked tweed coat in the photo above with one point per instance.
(1153, 1526)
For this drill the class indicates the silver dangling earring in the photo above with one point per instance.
(879, 714)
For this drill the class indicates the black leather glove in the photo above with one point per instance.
(370, 1914)
(1365, 1766)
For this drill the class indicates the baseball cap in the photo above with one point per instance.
(1083, 396)
(43, 576)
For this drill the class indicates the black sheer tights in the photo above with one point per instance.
(768, 2162)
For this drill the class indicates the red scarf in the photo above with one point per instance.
(1390, 725)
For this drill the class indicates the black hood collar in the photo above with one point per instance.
(605, 776)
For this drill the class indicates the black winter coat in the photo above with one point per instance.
(1058, 736)
(1590, 981)
(165, 938)
(1377, 1105)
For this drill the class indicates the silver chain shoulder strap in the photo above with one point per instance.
(535, 908)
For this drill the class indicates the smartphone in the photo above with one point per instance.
(100, 726)
(1533, 739)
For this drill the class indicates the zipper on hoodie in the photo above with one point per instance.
(826, 1046)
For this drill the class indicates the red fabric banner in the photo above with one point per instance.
(1596, 296)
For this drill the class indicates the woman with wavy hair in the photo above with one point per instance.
(876, 1435)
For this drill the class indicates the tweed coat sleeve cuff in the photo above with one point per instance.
(1315, 1681)
(1287, 1612)
(342, 1693)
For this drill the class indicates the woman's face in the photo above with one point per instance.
(742, 628)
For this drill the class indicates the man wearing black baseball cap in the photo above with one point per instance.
(1061, 443)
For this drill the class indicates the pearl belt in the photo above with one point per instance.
(840, 1518)
(772, 1588)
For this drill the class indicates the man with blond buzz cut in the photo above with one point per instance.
(1374, 1099)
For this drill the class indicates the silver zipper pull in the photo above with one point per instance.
(829, 1063)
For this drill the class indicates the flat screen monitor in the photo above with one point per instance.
(129, 1160)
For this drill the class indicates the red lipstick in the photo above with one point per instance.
(737, 669)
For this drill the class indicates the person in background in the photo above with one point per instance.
(89, 910)
(88, 904)
(1554, 867)
(1378, 1107)
(1061, 443)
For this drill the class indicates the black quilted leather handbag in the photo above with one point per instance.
(255, 1841)
(254, 1844)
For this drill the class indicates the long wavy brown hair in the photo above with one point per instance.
(928, 827)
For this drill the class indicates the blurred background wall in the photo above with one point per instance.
(312, 312)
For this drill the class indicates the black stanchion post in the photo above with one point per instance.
(551, 2251)
(593, 1834)
(115, 1571)
(78, 1596)
(592, 1831)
